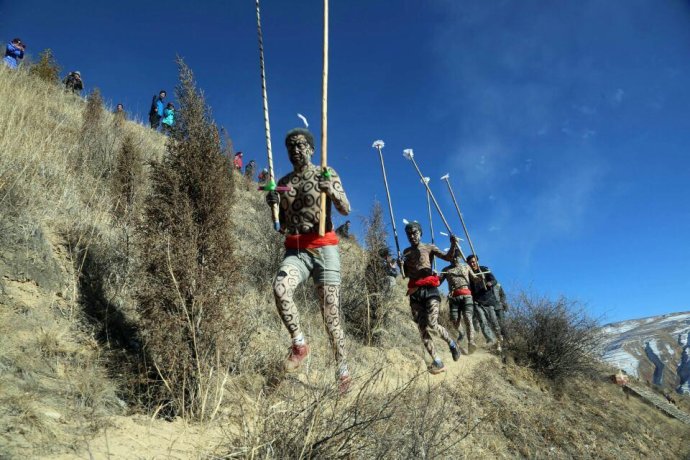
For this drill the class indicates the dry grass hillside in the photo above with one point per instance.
(77, 379)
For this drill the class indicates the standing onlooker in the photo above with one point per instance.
(14, 52)
(120, 108)
(156, 111)
(73, 82)
(263, 176)
(168, 119)
(237, 162)
(249, 170)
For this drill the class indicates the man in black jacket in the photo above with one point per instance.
(485, 300)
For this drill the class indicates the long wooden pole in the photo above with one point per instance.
(457, 208)
(324, 117)
(378, 145)
(409, 154)
(271, 184)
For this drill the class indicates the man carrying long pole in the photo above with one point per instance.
(305, 207)
(378, 145)
(425, 298)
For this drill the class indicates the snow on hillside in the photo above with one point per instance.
(656, 349)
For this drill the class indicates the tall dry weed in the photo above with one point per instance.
(188, 265)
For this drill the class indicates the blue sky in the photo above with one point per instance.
(563, 125)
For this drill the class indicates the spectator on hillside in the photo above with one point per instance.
(237, 162)
(249, 170)
(263, 176)
(168, 119)
(119, 108)
(156, 111)
(389, 266)
(14, 53)
(73, 82)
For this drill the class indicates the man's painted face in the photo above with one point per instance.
(413, 236)
(299, 150)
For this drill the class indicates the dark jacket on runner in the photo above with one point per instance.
(484, 294)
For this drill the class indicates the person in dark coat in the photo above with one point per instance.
(73, 82)
(157, 108)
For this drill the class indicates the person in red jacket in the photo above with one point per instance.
(237, 162)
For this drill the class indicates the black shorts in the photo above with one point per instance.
(424, 294)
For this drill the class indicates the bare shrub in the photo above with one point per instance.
(127, 178)
(47, 68)
(368, 310)
(93, 112)
(98, 141)
(556, 338)
(188, 265)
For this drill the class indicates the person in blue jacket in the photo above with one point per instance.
(157, 107)
(168, 118)
(14, 52)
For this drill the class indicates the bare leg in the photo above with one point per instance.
(284, 286)
(329, 297)
(433, 306)
(420, 317)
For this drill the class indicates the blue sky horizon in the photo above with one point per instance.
(564, 127)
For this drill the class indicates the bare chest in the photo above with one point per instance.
(301, 204)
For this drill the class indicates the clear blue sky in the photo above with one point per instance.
(564, 125)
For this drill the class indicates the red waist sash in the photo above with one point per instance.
(461, 291)
(427, 281)
(311, 240)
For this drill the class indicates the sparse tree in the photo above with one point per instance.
(188, 263)
(47, 68)
(127, 178)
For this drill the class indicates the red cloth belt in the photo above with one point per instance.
(428, 281)
(311, 240)
(461, 291)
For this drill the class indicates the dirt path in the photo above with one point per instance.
(140, 437)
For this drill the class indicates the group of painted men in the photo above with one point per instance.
(472, 289)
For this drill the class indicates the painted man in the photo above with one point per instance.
(307, 253)
(485, 301)
(461, 305)
(425, 298)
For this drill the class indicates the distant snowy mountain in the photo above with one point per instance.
(655, 349)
